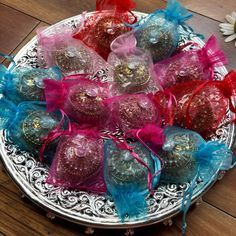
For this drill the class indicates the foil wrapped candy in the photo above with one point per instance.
(126, 171)
(108, 22)
(201, 105)
(158, 32)
(27, 124)
(78, 160)
(80, 98)
(196, 64)
(58, 47)
(133, 67)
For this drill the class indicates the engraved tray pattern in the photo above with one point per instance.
(86, 208)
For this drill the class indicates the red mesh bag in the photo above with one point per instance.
(107, 23)
(201, 106)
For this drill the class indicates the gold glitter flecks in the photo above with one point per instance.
(30, 81)
(36, 123)
(132, 79)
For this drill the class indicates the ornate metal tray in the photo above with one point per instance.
(96, 211)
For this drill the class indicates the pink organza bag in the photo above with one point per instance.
(78, 161)
(133, 67)
(197, 64)
(58, 47)
(151, 136)
(80, 98)
(150, 133)
(132, 111)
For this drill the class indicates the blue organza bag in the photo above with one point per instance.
(180, 165)
(188, 157)
(126, 178)
(184, 146)
(158, 32)
(27, 124)
(25, 84)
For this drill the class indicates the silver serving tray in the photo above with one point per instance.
(96, 211)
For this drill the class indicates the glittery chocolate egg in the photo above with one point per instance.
(86, 104)
(206, 109)
(136, 111)
(79, 158)
(178, 72)
(201, 116)
(123, 169)
(178, 154)
(30, 85)
(73, 60)
(158, 40)
(36, 126)
(107, 29)
(132, 77)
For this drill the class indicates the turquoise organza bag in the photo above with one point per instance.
(188, 158)
(24, 83)
(128, 177)
(158, 32)
(27, 124)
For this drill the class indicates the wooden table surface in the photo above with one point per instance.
(19, 217)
